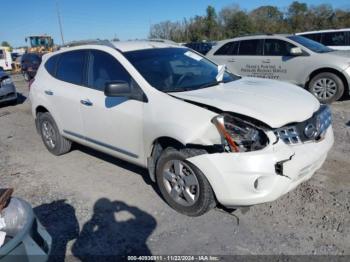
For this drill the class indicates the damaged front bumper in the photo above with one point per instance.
(249, 178)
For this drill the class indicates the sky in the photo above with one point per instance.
(106, 19)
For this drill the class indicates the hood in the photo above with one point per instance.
(341, 53)
(272, 102)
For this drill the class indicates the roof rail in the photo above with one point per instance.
(89, 42)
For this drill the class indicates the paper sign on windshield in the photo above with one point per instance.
(193, 55)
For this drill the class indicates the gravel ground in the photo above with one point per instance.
(92, 203)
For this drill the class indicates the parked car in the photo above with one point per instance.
(291, 58)
(201, 47)
(29, 65)
(5, 59)
(7, 89)
(205, 135)
(338, 39)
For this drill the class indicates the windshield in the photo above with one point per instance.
(39, 41)
(176, 69)
(310, 44)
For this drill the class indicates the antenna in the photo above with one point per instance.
(59, 22)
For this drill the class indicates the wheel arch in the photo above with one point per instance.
(328, 70)
(154, 152)
(39, 110)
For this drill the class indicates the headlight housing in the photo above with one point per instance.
(239, 135)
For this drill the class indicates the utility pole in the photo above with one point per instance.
(59, 22)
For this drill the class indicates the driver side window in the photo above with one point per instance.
(105, 68)
(276, 47)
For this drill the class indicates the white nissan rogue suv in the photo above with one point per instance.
(205, 135)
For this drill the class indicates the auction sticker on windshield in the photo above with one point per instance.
(193, 55)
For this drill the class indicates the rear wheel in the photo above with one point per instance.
(326, 87)
(53, 140)
(183, 186)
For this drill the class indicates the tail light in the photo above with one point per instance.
(30, 83)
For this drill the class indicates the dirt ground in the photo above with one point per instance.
(92, 203)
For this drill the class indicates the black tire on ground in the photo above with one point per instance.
(339, 87)
(62, 145)
(14, 102)
(206, 199)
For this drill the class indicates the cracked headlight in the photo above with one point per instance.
(239, 135)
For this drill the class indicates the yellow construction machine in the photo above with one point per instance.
(41, 44)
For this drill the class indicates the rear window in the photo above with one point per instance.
(230, 48)
(50, 65)
(2, 54)
(71, 67)
(334, 38)
(250, 47)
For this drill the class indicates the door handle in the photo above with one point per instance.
(86, 102)
(266, 61)
(49, 92)
(232, 60)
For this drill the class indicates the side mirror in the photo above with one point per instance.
(117, 88)
(296, 51)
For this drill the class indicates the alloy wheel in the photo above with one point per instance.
(324, 88)
(181, 182)
(49, 134)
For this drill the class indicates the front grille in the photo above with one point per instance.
(308, 130)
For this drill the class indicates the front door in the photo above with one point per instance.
(113, 124)
(279, 64)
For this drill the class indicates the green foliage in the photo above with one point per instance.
(6, 44)
(232, 21)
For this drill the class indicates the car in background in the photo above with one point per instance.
(201, 47)
(7, 89)
(5, 59)
(338, 39)
(291, 58)
(29, 65)
(206, 136)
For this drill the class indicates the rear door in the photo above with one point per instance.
(113, 124)
(226, 55)
(65, 90)
(250, 60)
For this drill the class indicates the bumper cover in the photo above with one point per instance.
(243, 179)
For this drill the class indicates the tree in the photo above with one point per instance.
(211, 24)
(267, 19)
(235, 22)
(296, 16)
(322, 16)
(231, 21)
(6, 44)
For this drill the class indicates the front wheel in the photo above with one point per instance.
(51, 136)
(183, 186)
(326, 87)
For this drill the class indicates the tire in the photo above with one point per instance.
(326, 87)
(53, 140)
(200, 192)
(14, 102)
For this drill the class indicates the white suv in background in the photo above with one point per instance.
(206, 136)
(338, 39)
